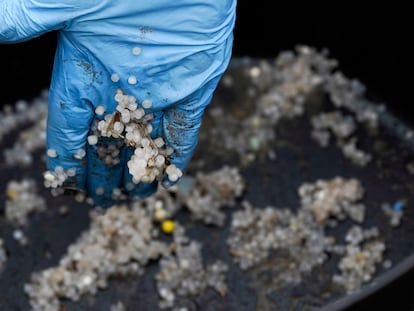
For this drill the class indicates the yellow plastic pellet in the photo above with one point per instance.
(167, 226)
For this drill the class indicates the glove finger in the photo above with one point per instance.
(141, 190)
(181, 124)
(68, 125)
(106, 161)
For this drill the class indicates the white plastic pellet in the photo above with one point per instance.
(132, 80)
(51, 153)
(115, 77)
(92, 139)
(136, 50)
(80, 154)
(100, 110)
(71, 172)
(147, 103)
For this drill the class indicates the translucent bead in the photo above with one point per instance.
(145, 142)
(92, 139)
(136, 50)
(118, 97)
(100, 110)
(132, 80)
(173, 177)
(125, 116)
(159, 161)
(51, 153)
(71, 172)
(48, 176)
(80, 154)
(147, 103)
(115, 77)
(138, 114)
(118, 127)
(159, 142)
(132, 105)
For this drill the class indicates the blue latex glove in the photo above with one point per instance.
(176, 51)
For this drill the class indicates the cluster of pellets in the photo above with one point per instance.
(162, 205)
(299, 239)
(28, 141)
(56, 178)
(183, 275)
(334, 122)
(280, 90)
(343, 128)
(123, 239)
(130, 126)
(205, 196)
(119, 242)
(362, 254)
(130, 123)
(283, 86)
(258, 233)
(23, 113)
(357, 156)
(349, 94)
(22, 201)
(337, 198)
(209, 193)
(246, 137)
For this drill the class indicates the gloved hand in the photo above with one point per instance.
(167, 54)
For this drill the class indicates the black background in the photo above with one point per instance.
(371, 45)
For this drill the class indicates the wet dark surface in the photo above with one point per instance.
(268, 182)
(371, 46)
